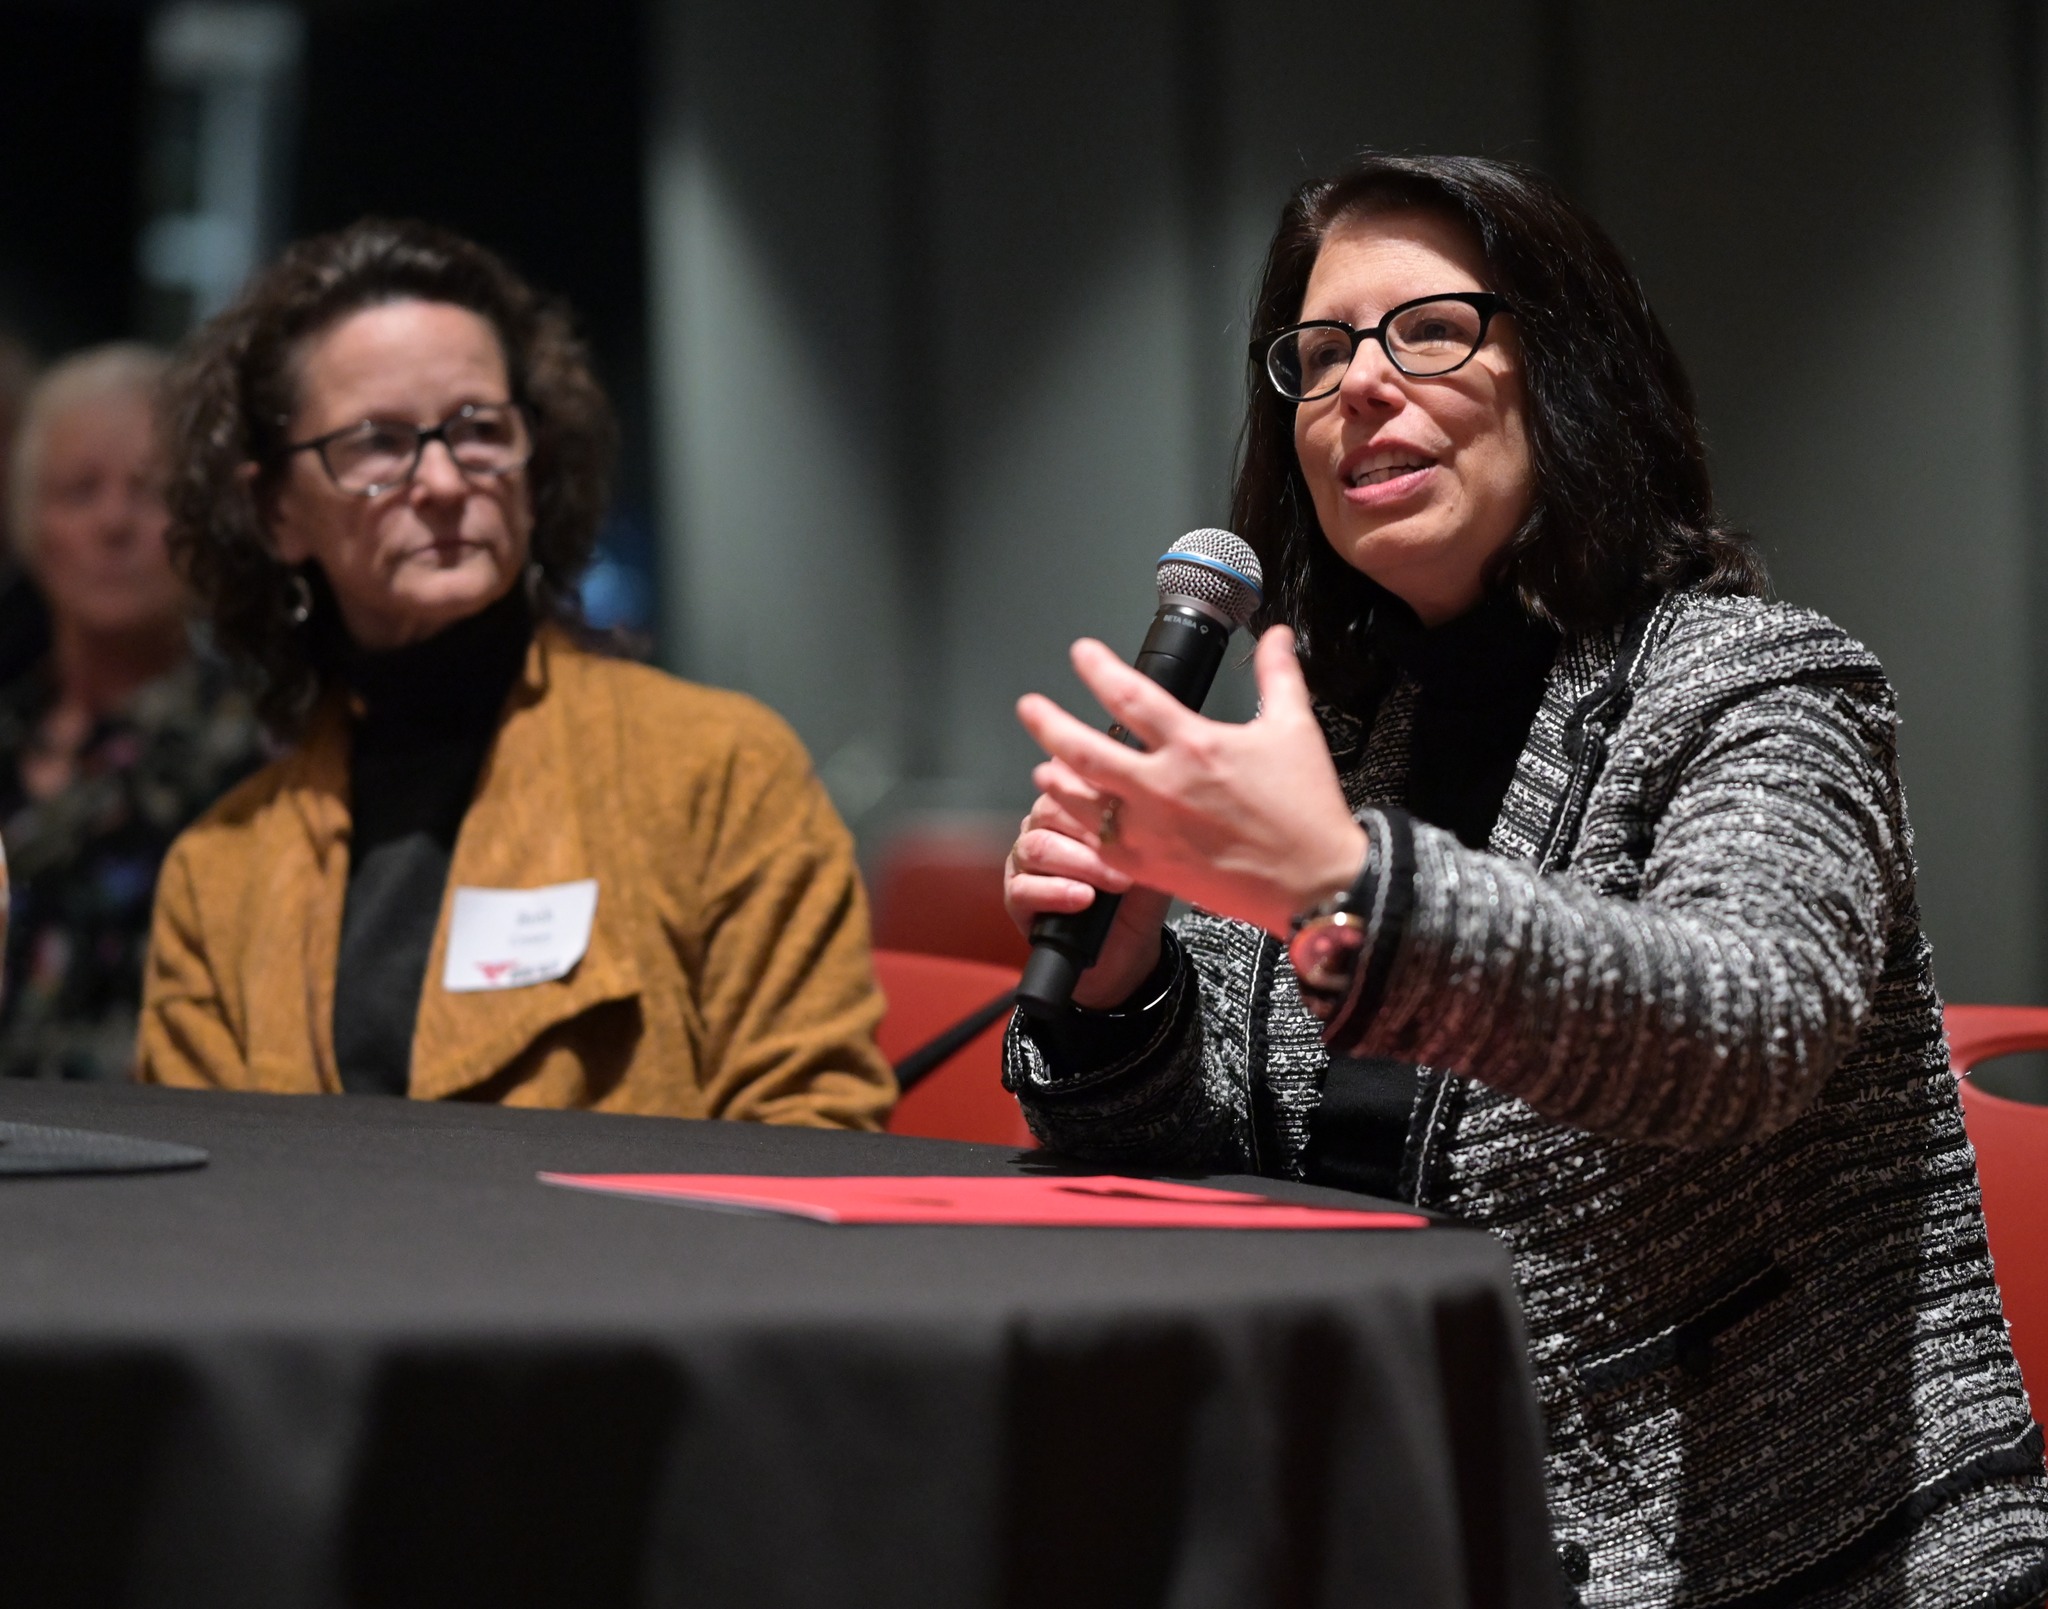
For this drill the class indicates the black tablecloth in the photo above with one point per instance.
(364, 1358)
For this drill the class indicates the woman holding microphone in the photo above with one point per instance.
(1564, 885)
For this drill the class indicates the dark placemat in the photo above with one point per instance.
(34, 1148)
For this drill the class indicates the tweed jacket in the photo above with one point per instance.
(727, 973)
(1681, 1049)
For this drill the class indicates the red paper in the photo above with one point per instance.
(1102, 1201)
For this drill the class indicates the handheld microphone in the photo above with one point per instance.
(1209, 585)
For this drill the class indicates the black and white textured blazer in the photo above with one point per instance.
(1682, 1051)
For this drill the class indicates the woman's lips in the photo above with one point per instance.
(452, 550)
(1394, 489)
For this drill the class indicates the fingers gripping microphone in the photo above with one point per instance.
(1208, 587)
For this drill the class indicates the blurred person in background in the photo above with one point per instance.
(24, 622)
(496, 865)
(118, 736)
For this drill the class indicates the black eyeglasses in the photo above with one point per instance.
(1429, 336)
(371, 458)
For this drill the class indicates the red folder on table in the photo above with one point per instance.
(1102, 1201)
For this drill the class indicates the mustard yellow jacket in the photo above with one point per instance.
(727, 973)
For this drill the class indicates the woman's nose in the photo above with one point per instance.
(1371, 380)
(117, 517)
(438, 472)
(131, 513)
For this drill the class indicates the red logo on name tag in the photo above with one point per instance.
(494, 970)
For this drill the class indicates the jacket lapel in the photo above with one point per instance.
(1529, 821)
(1372, 761)
(529, 826)
(1607, 668)
(302, 918)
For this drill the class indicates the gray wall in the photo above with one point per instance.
(1854, 173)
(949, 302)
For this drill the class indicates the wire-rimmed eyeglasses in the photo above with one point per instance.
(377, 455)
(1429, 336)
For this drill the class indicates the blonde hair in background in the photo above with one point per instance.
(120, 368)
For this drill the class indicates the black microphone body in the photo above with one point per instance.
(1184, 649)
(1182, 652)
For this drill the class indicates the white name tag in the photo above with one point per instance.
(508, 938)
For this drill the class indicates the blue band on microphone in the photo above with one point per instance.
(1181, 556)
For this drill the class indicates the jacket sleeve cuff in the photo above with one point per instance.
(1080, 1050)
(1385, 895)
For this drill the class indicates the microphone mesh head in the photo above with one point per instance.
(1215, 568)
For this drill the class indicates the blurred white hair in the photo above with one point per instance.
(120, 368)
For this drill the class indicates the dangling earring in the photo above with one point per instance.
(298, 608)
(536, 580)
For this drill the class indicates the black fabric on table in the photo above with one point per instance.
(427, 715)
(364, 1358)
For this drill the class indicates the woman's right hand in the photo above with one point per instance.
(1055, 866)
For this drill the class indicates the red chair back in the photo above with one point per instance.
(2011, 1141)
(964, 1098)
(939, 891)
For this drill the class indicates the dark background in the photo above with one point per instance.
(71, 108)
(518, 122)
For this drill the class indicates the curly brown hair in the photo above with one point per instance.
(234, 387)
(1624, 508)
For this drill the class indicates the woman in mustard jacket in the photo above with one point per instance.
(495, 865)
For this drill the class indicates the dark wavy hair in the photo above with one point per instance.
(234, 387)
(1623, 509)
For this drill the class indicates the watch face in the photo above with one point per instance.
(1325, 953)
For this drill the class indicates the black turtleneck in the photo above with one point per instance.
(426, 715)
(1478, 681)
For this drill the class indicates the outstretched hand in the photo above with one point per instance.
(1246, 821)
